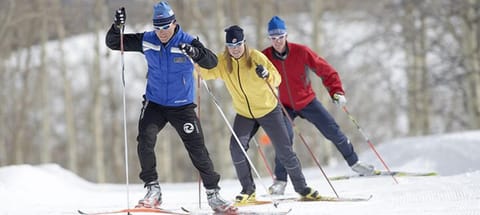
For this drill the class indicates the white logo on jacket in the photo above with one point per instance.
(148, 46)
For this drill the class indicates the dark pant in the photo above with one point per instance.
(274, 125)
(325, 123)
(153, 119)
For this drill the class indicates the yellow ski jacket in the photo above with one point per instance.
(251, 95)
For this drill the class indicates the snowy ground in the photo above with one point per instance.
(50, 189)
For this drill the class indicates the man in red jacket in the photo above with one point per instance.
(294, 62)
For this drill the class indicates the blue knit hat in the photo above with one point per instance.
(162, 14)
(276, 26)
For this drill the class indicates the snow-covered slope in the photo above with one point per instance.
(50, 189)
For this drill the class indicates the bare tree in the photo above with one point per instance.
(114, 134)
(233, 10)
(97, 106)
(24, 92)
(69, 113)
(471, 50)
(6, 16)
(45, 97)
(413, 26)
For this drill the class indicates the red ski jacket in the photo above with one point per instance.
(296, 91)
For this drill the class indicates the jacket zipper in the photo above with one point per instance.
(289, 92)
(241, 87)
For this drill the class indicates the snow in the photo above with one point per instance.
(51, 189)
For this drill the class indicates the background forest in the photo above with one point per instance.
(409, 67)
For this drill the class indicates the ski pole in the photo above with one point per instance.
(301, 137)
(199, 79)
(260, 151)
(344, 107)
(214, 99)
(198, 114)
(264, 159)
(122, 28)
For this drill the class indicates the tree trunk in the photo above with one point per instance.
(69, 113)
(234, 12)
(116, 131)
(6, 83)
(218, 40)
(97, 106)
(424, 95)
(260, 27)
(199, 18)
(417, 83)
(3, 115)
(45, 97)
(472, 56)
(23, 102)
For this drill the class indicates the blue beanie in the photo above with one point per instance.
(276, 26)
(162, 14)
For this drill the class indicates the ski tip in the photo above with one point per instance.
(360, 199)
(184, 209)
(365, 199)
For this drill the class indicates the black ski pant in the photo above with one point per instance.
(274, 125)
(153, 119)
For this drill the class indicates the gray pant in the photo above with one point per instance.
(315, 113)
(274, 125)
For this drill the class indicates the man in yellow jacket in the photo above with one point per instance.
(251, 80)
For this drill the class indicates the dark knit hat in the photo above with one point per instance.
(276, 26)
(234, 34)
(162, 14)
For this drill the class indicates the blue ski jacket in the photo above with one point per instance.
(170, 80)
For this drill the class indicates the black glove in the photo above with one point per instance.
(120, 17)
(189, 50)
(261, 71)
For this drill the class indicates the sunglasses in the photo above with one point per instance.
(279, 37)
(163, 27)
(237, 44)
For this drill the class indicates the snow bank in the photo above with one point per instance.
(447, 154)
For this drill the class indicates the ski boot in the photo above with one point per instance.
(310, 194)
(277, 188)
(153, 198)
(217, 203)
(363, 168)
(245, 197)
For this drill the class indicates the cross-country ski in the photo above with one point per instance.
(133, 211)
(272, 211)
(384, 173)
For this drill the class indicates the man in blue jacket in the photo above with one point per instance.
(169, 98)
